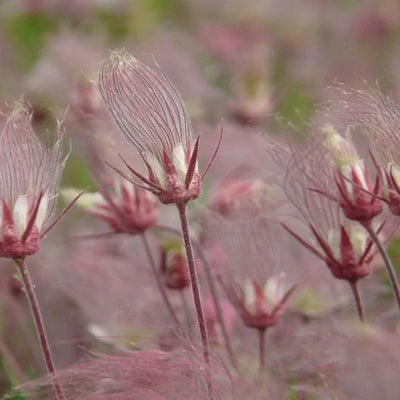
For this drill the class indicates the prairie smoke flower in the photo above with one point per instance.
(260, 305)
(29, 179)
(252, 279)
(356, 194)
(343, 244)
(150, 113)
(379, 117)
(126, 208)
(229, 193)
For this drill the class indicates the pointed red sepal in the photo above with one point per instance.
(377, 166)
(61, 215)
(277, 309)
(339, 185)
(152, 177)
(32, 219)
(323, 244)
(140, 176)
(322, 193)
(374, 195)
(210, 163)
(303, 242)
(377, 187)
(119, 172)
(346, 247)
(393, 181)
(192, 164)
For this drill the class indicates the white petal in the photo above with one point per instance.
(358, 238)
(42, 212)
(179, 160)
(20, 213)
(249, 296)
(156, 168)
(334, 238)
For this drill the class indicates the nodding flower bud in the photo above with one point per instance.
(357, 196)
(228, 194)
(29, 177)
(173, 266)
(347, 251)
(260, 305)
(391, 194)
(125, 207)
(150, 113)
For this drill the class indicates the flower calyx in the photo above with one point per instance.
(358, 197)
(260, 306)
(20, 227)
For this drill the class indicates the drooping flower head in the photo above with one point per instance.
(356, 195)
(343, 244)
(379, 118)
(29, 178)
(150, 113)
(124, 207)
(255, 281)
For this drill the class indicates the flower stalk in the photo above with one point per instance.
(194, 283)
(388, 263)
(357, 298)
(40, 329)
(159, 283)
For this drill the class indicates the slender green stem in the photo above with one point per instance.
(40, 329)
(159, 283)
(196, 294)
(357, 298)
(388, 263)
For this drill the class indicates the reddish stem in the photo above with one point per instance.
(41, 332)
(261, 337)
(357, 298)
(388, 263)
(194, 283)
(159, 283)
(214, 293)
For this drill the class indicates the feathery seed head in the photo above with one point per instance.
(150, 113)
(29, 178)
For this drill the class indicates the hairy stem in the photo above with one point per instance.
(357, 298)
(159, 283)
(186, 312)
(41, 332)
(388, 263)
(214, 295)
(261, 337)
(196, 293)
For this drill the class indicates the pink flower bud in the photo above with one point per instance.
(229, 193)
(260, 306)
(173, 266)
(126, 208)
(358, 198)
